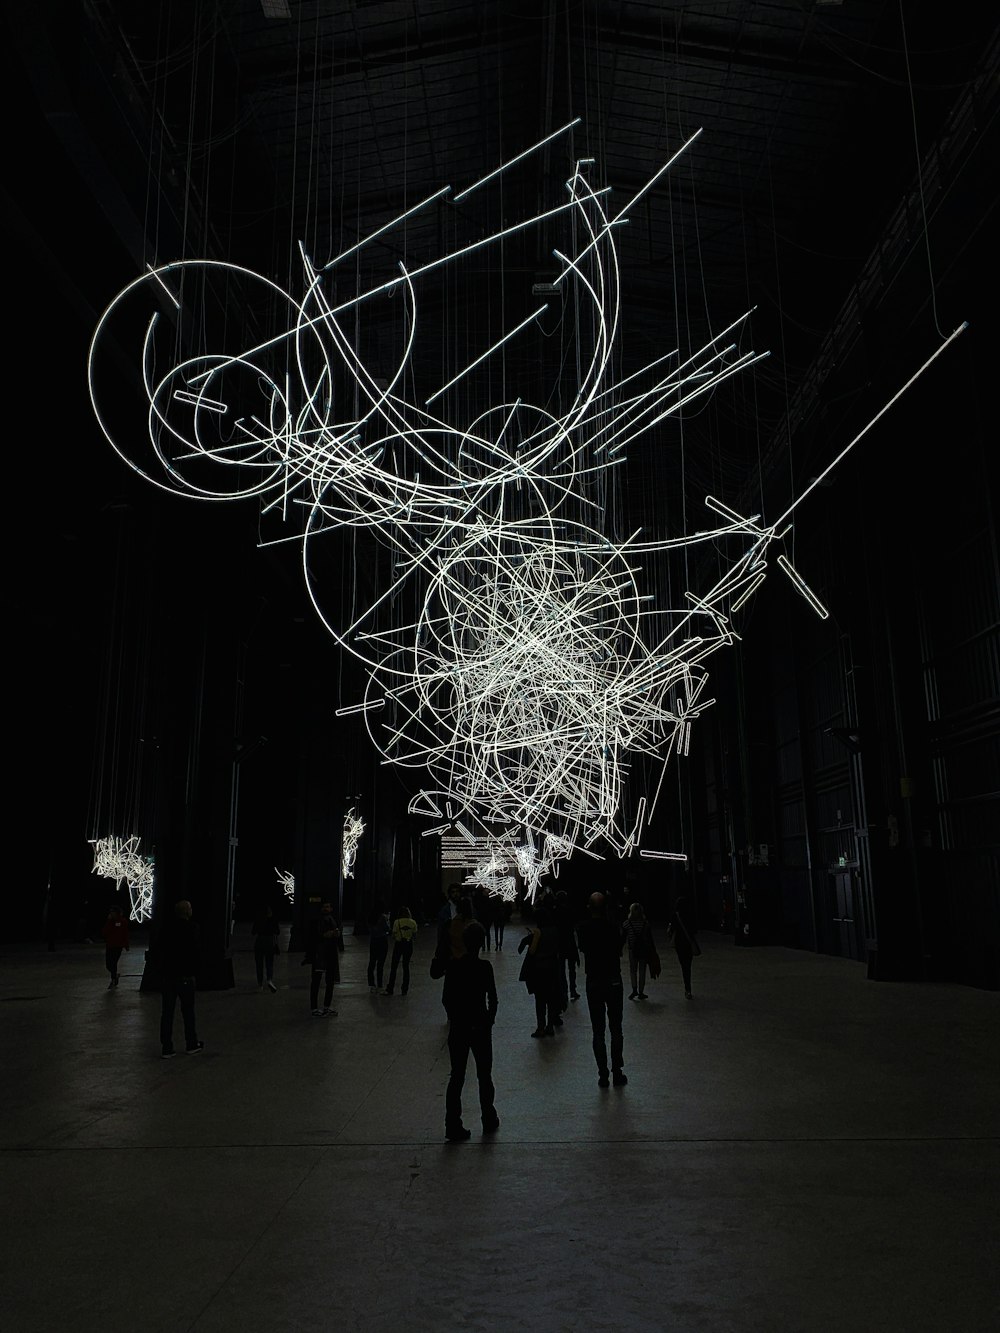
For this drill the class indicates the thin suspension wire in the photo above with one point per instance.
(920, 175)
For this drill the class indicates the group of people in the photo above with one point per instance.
(402, 932)
(553, 948)
(552, 951)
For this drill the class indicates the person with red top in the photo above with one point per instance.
(115, 935)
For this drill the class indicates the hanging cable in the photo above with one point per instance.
(920, 175)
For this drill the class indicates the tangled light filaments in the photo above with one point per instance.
(119, 859)
(354, 826)
(530, 657)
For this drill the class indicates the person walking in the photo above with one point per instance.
(498, 919)
(177, 952)
(540, 973)
(569, 954)
(378, 948)
(639, 939)
(600, 941)
(266, 930)
(404, 930)
(324, 955)
(470, 1000)
(481, 911)
(682, 931)
(115, 935)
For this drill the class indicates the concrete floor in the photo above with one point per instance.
(797, 1149)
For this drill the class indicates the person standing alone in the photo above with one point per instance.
(324, 955)
(404, 928)
(266, 929)
(600, 942)
(115, 935)
(639, 938)
(177, 949)
(470, 1001)
(681, 930)
(378, 947)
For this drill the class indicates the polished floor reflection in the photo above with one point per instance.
(797, 1149)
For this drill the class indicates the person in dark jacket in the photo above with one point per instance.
(540, 973)
(482, 912)
(470, 1001)
(378, 949)
(639, 938)
(682, 931)
(324, 955)
(404, 930)
(498, 919)
(115, 935)
(177, 949)
(266, 929)
(569, 954)
(600, 941)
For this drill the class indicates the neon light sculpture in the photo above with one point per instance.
(493, 871)
(531, 661)
(287, 881)
(119, 859)
(354, 826)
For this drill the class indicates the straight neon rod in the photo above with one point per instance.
(878, 416)
(514, 160)
(489, 352)
(388, 227)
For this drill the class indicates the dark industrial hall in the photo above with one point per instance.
(504, 570)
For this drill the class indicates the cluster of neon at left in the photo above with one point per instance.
(120, 859)
(287, 882)
(516, 654)
(354, 826)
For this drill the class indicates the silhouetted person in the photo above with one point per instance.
(378, 949)
(177, 948)
(601, 944)
(682, 931)
(404, 929)
(498, 918)
(541, 973)
(470, 1001)
(115, 935)
(639, 939)
(265, 929)
(324, 955)
(481, 911)
(569, 954)
(451, 933)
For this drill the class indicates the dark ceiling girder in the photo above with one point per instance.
(696, 45)
(702, 46)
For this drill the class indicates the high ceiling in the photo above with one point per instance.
(246, 127)
(149, 131)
